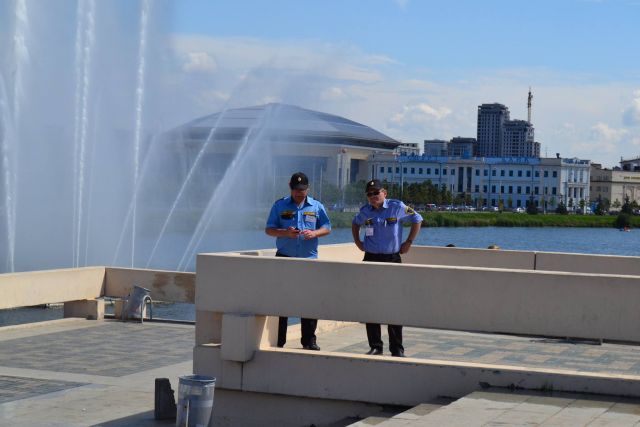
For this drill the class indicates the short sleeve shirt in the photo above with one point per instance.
(383, 227)
(311, 216)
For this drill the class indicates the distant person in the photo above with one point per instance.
(297, 221)
(382, 219)
(493, 247)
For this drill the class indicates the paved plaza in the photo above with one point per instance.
(76, 372)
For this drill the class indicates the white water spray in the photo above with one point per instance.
(185, 183)
(5, 132)
(231, 175)
(84, 51)
(144, 18)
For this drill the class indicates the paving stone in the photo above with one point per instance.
(15, 388)
(111, 349)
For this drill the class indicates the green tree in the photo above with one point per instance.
(532, 209)
(582, 204)
(599, 207)
(626, 207)
(561, 209)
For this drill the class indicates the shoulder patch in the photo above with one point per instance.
(409, 210)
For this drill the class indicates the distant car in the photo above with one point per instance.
(519, 210)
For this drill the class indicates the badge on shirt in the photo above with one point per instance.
(368, 231)
(391, 220)
(309, 217)
(287, 214)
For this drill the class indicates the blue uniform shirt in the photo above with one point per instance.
(383, 227)
(312, 216)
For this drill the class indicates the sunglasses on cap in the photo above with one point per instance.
(373, 193)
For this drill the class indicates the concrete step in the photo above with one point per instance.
(401, 419)
(369, 421)
(497, 408)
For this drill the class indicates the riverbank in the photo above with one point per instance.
(499, 219)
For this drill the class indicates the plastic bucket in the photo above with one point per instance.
(195, 400)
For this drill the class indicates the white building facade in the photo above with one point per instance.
(547, 182)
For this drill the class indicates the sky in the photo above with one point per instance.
(418, 70)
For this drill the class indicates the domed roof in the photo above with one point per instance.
(287, 123)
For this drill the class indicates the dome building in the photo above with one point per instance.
(328, 148)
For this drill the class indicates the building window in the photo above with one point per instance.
(537, 174)
(444, 171)
(486, 172)
(528, 174)
(477, 188)
(528, 190)
(546, 190)
(510, 173)
(453, 171)
(519, 190)
(511, 189)
(519, 173)
(428, 171)
(536, 190)
(381, 169)
(493, 188)
(553, 190)
(420, 171)
(484, 188)
(404, 170)
(397, 169)
(389, 169)
(477, 172)
(546, 174)
(413, 171)
(555, 174)
(437, 171)
(493, 172)
(502, 189)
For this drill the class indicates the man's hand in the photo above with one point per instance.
(308, 234)
(404, 248)
(292, 232)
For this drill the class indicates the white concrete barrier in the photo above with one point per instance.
(458, 298)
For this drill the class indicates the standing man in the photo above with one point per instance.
(382, 219)
(297, 221)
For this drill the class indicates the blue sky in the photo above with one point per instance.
(418, 69)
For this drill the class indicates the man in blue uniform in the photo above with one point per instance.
(297, 222)
(382, 220)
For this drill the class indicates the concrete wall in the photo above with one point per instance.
(473, 257)
(236, 294)
(458, 298)
(164, 285)
(387, 380)
(52, 286)
(80, 284)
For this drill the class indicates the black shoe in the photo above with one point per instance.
(313, 346)
(398, 353)
(374, 352)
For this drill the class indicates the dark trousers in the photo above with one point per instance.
(374, 333)
(308, 328)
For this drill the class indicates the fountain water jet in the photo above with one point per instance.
(84, 51)
(140, 86)
(248, 150)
